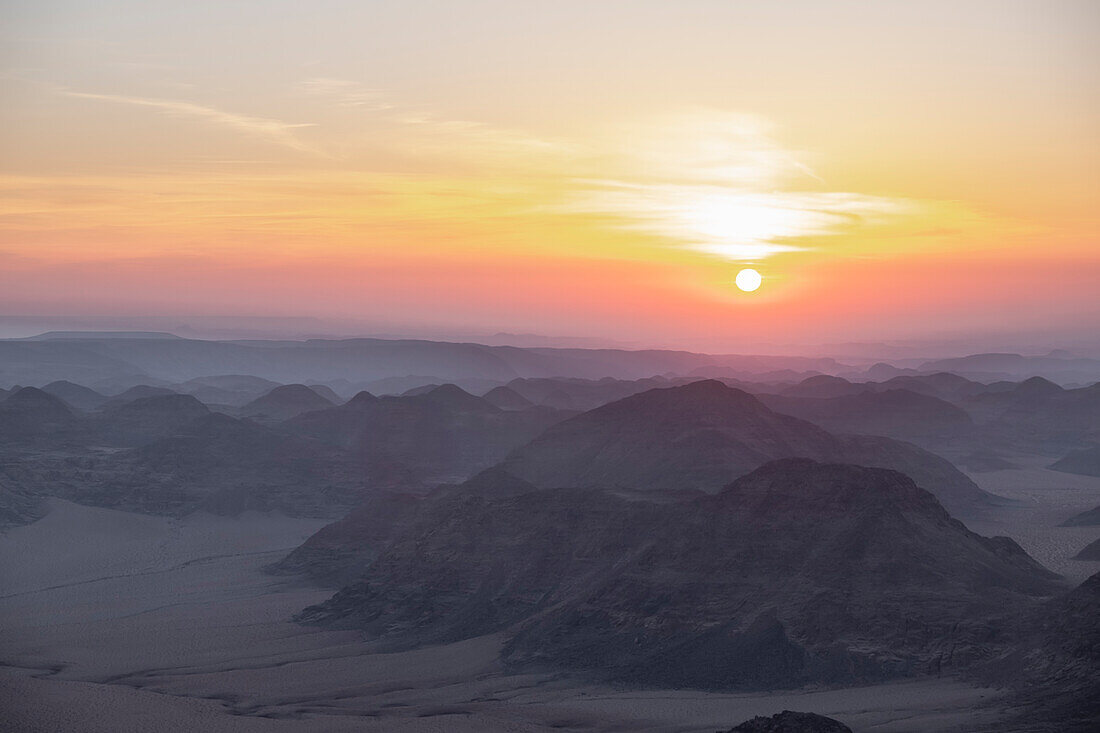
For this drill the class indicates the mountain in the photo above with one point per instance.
(945, 385)
(338, 553)
(76, 395)
(507, 398)
(91, 359)
(824, 385)
(1088, 518)
(225, 466)
(1085, 461)
(145, 419)
(443, 435)
(139, 391)
(896, 413)
(327, 393)
(700, 436)
(31, 415)
(1091, 552)
(1052, 662)
(798, 572)
(1037, 415)
(988, 367)
(284, 402)
(233, 390)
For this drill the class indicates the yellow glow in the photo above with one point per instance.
(748, 279)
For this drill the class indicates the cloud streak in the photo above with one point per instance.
(273, 131)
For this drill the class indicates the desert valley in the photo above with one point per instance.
(681, 552)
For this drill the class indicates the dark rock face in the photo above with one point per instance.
(791, 722)
(1052, 662)
(75, 395)
(1085, 462)
(798, 572)
(700, 436)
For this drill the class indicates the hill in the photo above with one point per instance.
(702, 435)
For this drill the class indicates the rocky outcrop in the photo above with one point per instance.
(798, 572)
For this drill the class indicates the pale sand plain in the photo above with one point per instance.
(112, 621)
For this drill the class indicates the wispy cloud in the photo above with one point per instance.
(273, 131)
(423, 134)
(718, 183)
(345, 93)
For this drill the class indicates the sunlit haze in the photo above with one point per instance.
(599, 170)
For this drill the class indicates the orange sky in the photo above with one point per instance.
(587, 169)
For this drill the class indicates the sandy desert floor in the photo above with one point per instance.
(121, 622)
(1043, 500)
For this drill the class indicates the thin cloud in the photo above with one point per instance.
(273, 131)
(345, 93)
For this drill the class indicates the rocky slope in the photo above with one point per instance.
(1052, 663)
(798, 572)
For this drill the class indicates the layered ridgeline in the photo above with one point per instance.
(443, 434)
(700, 436)
(897, 413)
(226, 466)
(797, 572)
(154, 450)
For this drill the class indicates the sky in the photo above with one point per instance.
(601, 170)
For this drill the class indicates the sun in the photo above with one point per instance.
(748, 280)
